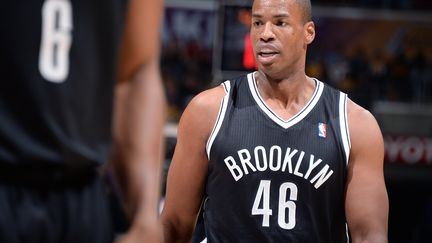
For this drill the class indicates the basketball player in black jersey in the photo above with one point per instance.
(277, 156)
(59, 61)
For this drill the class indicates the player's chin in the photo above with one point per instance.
(273, 71)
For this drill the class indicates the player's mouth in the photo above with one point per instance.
(267, 56)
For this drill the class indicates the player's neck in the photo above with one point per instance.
(286, 95)
(287, 88)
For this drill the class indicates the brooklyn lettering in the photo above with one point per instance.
(275, 159)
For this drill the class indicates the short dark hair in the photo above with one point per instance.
(306, 8)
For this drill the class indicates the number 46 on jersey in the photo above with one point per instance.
(286, 206)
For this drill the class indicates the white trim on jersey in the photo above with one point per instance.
(343, 123)
(222, 110)
(273, 116)
(347, 232)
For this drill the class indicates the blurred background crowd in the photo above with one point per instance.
(377, 51)
(373, 50)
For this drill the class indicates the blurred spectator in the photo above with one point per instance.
(421, 79)
(378, 74)
(384, 4)
(399, 86)
(186, 69)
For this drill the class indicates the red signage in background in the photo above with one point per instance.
(411, 150)
(244, 16)
(249, 62)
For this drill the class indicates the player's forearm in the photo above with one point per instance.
(143, 189)
(176, 232)
(143, 151)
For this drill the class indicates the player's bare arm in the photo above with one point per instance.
(188, 171)
(366, 196)
(140, 118)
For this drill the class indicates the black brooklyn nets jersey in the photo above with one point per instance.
(272, 180)
(57, 71)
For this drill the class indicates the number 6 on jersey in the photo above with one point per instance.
(56, 40)
(263, 194)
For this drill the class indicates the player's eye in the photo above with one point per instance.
(256, 23)
(281, 23)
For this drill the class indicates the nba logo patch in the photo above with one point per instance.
(322, 130)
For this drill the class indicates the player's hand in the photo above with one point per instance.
(150, 232)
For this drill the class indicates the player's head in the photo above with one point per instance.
(280, 33)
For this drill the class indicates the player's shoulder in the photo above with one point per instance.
(356, 112)
(363, 127)
(208, 99)
(201, 113)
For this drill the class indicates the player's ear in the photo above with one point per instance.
(309, 32)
